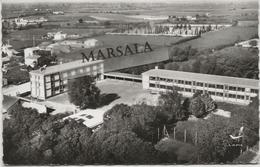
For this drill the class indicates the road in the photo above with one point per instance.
(13, 90)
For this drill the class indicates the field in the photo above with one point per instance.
(226, 37)
(158, 55)
(124, 39)
(20, 39)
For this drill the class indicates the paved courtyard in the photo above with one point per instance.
(128, 92)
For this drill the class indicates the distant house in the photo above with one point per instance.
(60, 36)
(21, 22)
(32, 55)
(58, 12)
(91, 43)
(9, 102)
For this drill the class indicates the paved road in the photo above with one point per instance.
(13, 90)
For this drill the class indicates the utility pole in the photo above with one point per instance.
(33, 41)
(174, 133)
(185, 136)
(196, 138)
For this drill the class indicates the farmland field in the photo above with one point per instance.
(124, 39)
(224, 37)
(24, 38)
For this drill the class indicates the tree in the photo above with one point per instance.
(173, 151)
(126, 148)
(33, 138)
(197, 107)
(170, 104)
(140, 119)
(80, 20)
(83, 92)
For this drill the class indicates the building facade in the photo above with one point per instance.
(32, 55)
(53, 80)
(221, 88)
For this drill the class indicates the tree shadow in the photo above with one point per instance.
(106, 99)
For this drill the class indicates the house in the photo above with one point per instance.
(60, 36)
(32, 55)
(91, 43)
(9, 51)
(9, 102)
(58, 12)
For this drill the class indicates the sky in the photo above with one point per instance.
(149, 1)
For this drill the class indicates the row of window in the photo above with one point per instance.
(201, 84)
(209, 92)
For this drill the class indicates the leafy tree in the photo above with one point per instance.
(173, 151)
(80, 20)
(201, 104)
(197, 107)
(170, 104)
(33, 138)
(83, 92)
(126, 148)
(141, 119)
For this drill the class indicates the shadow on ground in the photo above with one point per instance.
(108, 98)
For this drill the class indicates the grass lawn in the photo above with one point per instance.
(124, 39)
(225, 37)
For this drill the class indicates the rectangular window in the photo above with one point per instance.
(169, 80)
(162, 86)
(152, 85)
(219, 94)
(81, 70)
(232, 88)
(57, 83)
(162, 79)
(65, 74)
(200, 84)
(232, 96)
(254, 91)
(73, 72)
(48, 93)
(94, 67)
(169, 87)
(211, 86)
(87, 69)
(220, 86)
(240, 89)
(65, 82)
(56, 77)
(240, 97)
(211, 93)
(187, 82)
(48, 78)
(152, 78)
(48, 85)
(187, 90)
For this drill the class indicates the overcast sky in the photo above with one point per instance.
(196, 1)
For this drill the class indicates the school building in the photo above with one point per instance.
(53, 80)
(221, 88)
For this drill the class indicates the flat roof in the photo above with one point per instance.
(89, 117)
(120, 74)
(243, 82)
(65, 67)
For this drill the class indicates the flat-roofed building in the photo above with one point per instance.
(221, 88)
(53, 80)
